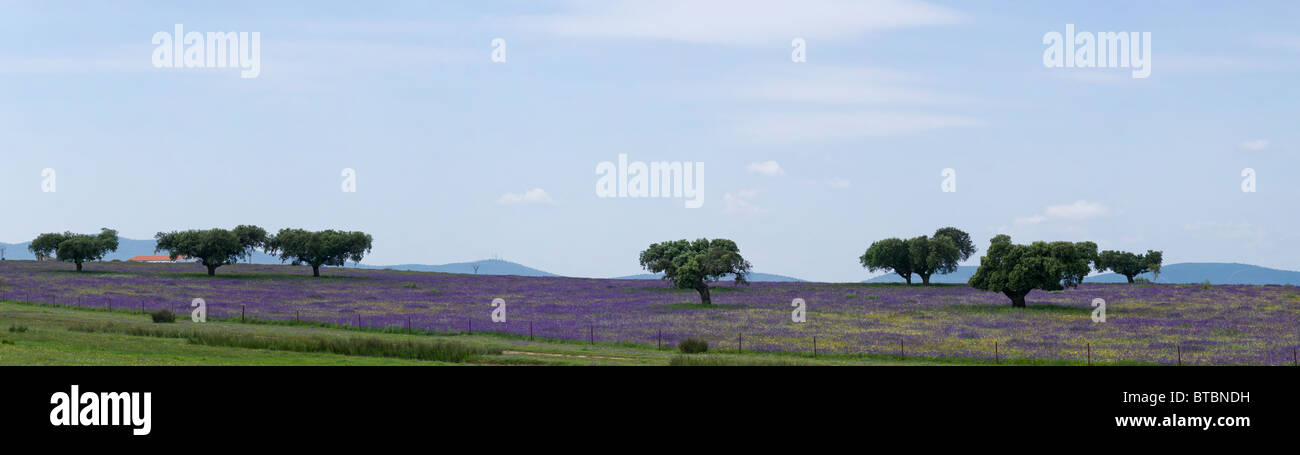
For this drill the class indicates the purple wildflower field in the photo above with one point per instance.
(1225, 324)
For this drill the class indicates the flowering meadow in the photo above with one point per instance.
(1225, 324)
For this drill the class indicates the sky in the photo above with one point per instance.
(458, 157)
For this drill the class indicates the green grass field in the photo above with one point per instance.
(42, 334)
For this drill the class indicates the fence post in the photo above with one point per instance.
(1089, 354)
(408, 324)
(740, 343)
(470, 322)
(297, 315)
(358, 319)
(814, 346)
(591, 334)
(902, 355)
(1180, 355)
(995, 352)
(241, 312)
(661, 339)
(530, 330)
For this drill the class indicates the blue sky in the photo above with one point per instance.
(440, 136)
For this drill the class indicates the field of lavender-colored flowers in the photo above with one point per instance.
(1146, 323)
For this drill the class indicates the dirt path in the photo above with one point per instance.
(578, 356)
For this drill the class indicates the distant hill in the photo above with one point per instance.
(1183, 273)
(755, 276)
(485, 267)
(1215, 272)
(126, 249)
(962, 275)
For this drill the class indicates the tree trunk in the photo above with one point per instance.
(703, 289)
(1130, 278)
(907, 277)
(925, 279)
(78, 266)
(315, 270)
(1017, 299)
(212, 270)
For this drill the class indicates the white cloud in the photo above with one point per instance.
(839, 183)
(1030, 219)
(824, 126)
(1079, 210)
(1257, 144)
(843, 85)
(741, 203)
(739, 22)
(767, 168)
(533, 196)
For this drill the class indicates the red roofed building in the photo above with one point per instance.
(156, 258)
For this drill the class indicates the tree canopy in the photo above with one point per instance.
(75, 248)
(693, 265)
(211, 247)
(891, 254)
(250, 238)
(328, 247)
(45, 245)
(1129, 264)
(959, 238)
(1014, 270)
(921, 255)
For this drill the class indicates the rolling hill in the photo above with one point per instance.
(485, 267)
(754, 276)
(1214, 272)
(1183, 273)
(126, 249)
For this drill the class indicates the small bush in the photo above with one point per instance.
(1141, 280)
(163, 316)
(17, 328)
(693, 346)
(1205, 285)
(411, 285)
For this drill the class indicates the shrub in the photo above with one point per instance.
(693, 346)
(163, 316)
(17, 328)
(1205, 285)
(1141, 280)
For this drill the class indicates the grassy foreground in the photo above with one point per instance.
(41, 334)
